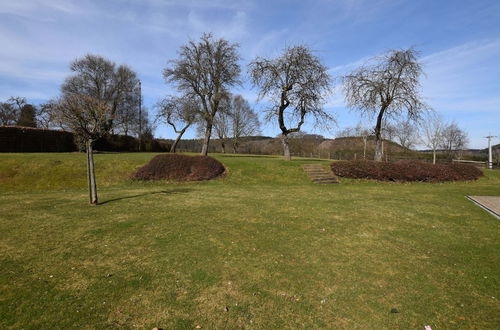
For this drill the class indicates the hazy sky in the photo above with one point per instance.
(459, 43)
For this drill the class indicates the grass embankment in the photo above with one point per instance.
(260, 248)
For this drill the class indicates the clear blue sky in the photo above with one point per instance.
(459, 41)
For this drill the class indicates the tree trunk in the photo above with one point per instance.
(364, 149)
(223, 146)
(378, 150)
(174, 145)
(206, 140)
(91, 174)
(378, 136)
(434, 156)
(286, 147)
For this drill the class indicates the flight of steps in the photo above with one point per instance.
(318, 174)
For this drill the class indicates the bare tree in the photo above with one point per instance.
(180, 112)
(406, 133)
(297, 85)
(222, 121)
(206, 70)
(345, 132)
(386, 87)
(244, 121)
(127, 113)
(454, 139)
(10, 111)
(45, 115)
(432, 128)
(365, 133)
(89, 103)
(8, 114)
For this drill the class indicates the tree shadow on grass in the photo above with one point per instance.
(165, 192)
(247, 156)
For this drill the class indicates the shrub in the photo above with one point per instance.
(180, 168)
(405, 171)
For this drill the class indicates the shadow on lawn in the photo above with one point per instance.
(166, 192)
(247, 156)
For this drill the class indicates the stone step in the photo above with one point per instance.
(319, 174)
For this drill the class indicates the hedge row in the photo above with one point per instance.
(405, 171)
(27, 139)
(180, 168)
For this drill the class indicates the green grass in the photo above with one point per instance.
(260, 248)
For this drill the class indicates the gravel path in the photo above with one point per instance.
(489, 203)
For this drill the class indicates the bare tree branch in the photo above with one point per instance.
(205, 69)
(387, 87)
(297, 85)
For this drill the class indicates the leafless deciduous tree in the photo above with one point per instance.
(180, 112)
(387, 87)
(206, 70)
(296, 83)
(244, 121)
(432, 129)
(365, 133)
(8, 114)
(127, 114)
(10, 111)
(345, 132)
(406, 133)
(89, 103)
(45, 115)
(222, 121)
(453, 139)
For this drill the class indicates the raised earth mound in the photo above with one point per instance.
(405, 171)
(180, 168)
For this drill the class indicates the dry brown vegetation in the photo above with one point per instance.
(405, 171)
(180, 168)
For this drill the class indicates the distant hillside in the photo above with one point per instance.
(353, 147)
(307, 145)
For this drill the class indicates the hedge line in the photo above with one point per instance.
(27, 139)
(405, 171)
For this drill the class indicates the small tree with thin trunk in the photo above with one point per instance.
(222, 122)
(453, 139)
(297, 84)
(89, 103)
(127, 114)
(388, 87)
(180, 112)
(365, 133)
(406, 133)
(244, 121)
(205, 70)
(432, 128)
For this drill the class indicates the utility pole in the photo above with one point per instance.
(490, 155)
(140, 115)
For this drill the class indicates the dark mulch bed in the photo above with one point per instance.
(180, 168)
(405, 171)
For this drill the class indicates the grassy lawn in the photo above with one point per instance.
(261, 248)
